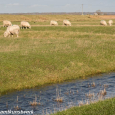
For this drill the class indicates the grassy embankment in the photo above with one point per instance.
(46, 54)
(106, 107)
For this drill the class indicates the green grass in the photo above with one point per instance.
(106, 107)
(47, 54)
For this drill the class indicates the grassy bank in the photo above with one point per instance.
(45, 55)
(106, 107)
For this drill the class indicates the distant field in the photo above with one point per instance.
(76, 20)
(49, 54)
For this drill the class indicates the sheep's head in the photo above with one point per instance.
(5, 34)
(30, 27)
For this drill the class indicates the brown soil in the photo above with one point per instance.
(107, 17)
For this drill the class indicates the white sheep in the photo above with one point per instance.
(25, 24)
(11, 30)
(6, 23)
(52, 22)
(66, 22)
(103, 22)
(110, 22)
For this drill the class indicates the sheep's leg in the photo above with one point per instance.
(17, 33)
(9, 35)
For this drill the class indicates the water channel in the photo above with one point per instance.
(58, 97)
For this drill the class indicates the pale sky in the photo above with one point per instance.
(25, 6)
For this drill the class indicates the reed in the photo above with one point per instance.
(58, 95)
(34, 103)
(93, 84)
(17, 107)
(7, 105)
(81, 103)
(90, 95)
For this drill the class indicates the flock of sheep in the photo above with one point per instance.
(65, 22)
(103, 22)
(14, 29)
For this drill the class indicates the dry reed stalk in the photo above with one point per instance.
(17, 108)
(93, 84)
(58, 98)
(89, 95)
(87, 103)
(34, 103)
(101, 94)
(81, 103)
(6, 104)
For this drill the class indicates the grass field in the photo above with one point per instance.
(106, 107)
(50, 54)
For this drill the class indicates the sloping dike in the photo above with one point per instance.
(58, 97)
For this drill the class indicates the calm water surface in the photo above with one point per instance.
(71, 93)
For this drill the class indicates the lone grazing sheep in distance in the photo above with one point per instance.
(6, 23)
(11, 30)
(52, 22)
(25, 24)
(103, 22)
(110, 22)
(66, 22)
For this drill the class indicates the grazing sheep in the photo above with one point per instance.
(25, 24)
(110, 22)
(52, 22)
(66, 22)
(96, 14)
(103, 22)
(11, 30)
(6, 23)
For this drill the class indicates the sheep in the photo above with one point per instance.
(11, 30)
(110, 22)
(6, 23)
(25, 24)
(66, 22)
(52, 22)
(103, 22)
(96, 14)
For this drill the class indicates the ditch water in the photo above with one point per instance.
(69, 94)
